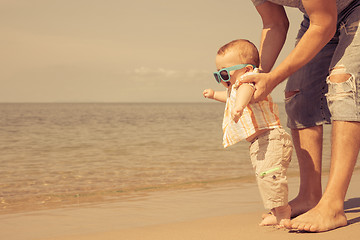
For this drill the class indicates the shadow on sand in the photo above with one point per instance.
(352, 205)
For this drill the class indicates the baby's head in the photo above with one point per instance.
(239, 56)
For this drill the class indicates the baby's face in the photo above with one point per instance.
(229, 59)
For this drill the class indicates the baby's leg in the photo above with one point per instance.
(270, 156)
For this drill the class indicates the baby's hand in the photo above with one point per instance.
(209, 93)
(236, 114)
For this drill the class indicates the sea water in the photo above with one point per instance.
(54, 154)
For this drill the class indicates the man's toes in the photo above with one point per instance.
(294, 225)
(314, 228)
(307, 227)
(301, 226)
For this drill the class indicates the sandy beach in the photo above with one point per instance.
(222, 212)
(241, 226)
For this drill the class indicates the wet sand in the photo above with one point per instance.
(224, 212)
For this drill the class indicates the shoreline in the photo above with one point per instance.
(230, 211)
(75, 199)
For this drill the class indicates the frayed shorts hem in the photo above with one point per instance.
(296, 126)
(346, 120)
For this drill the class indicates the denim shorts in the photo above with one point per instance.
(270, 155)
(314, 99)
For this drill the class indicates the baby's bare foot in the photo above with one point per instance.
(269, 220)
(277, 216)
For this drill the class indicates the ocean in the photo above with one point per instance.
(59, 154)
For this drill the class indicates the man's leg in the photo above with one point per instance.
(308, 145)
(329, 212)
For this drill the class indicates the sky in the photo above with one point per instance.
(121, 51)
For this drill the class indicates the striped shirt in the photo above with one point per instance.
(256, 116)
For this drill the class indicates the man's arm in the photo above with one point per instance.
(323, 20)
(273, 35)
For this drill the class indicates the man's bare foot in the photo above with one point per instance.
(277, 217)
(319, 219)
(300, 205)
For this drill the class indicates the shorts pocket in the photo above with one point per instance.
(273, 187)
(268, 174)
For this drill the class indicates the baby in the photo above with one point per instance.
(257, 123)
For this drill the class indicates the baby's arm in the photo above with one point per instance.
(243, 96)
(220, 96)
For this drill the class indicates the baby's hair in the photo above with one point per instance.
(248, 52)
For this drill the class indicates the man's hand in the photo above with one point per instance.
(262, 85)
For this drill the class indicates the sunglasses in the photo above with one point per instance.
(224, 74)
